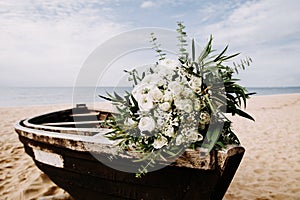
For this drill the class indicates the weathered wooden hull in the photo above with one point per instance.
(63, 157)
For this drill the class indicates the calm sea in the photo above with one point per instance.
(25, 96)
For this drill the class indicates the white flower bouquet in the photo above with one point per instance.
(179, 104)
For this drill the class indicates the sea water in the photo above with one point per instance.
(25, 96)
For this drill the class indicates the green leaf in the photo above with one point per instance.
(213, 136)
(210, 104)
(244, 114)
(156, 47)
(206, 51)
(229, 57)
(118, 97)
(219, 56)
(193, 49)
(104, 97)
(182, 41)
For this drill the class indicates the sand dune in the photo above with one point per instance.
(270, 168)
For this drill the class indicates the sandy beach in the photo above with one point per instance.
(270, 168)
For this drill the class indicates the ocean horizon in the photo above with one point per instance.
(28, 96)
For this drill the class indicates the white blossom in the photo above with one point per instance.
(168, 96)
(195, 83)
(188, 107)
(160, 113)
(160, 122)
(151, 79)
(171, 64)
(145, 103)
(161, 117)
(192, 136)
(197, 105)
(170, 132)
(140, 90)
(155, 94)
(184, 104)
(187, 93)
(165, 106)
(179, 139)
(204, 117)
(146, 124)
(160, 142)
(175, 87)
(175, 121)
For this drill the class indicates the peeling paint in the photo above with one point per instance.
(49, 158)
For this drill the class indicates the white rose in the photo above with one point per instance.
(145, 103)
(168, 96)
(160, 142)
(146, 124)
(165, 106)
(195, 83)
(188, 107)
(187, 93)
(175, 87)
(184, 104)
(140, 90)
(155, 94)
(178, 103)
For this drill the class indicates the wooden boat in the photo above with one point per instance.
(57, 144)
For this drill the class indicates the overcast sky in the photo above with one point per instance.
(45, 43)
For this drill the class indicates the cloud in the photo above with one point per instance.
(269, 32)
(147, 4)
(47, 42)
(167, 3)
(260, 22)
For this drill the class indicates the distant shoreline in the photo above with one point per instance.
(70, 104)
(30, 96)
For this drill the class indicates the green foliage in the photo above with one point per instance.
(182, 38)
(156, 47)
(218, 77)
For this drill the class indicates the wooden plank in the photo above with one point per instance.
(133, 188)
(71, 123)
(230, 167)
(85, 114)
